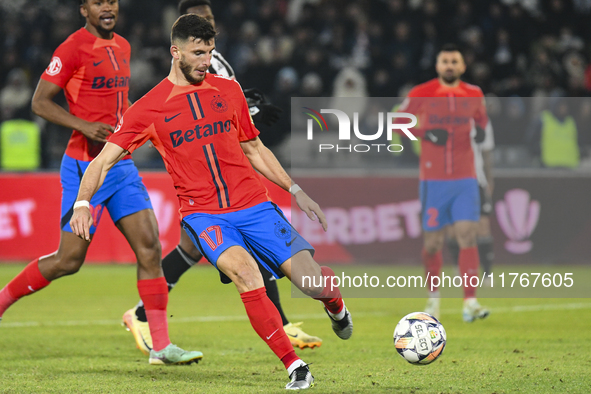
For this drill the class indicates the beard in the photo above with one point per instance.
(187, 70)
(450, 79)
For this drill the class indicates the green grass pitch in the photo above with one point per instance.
(68, 339)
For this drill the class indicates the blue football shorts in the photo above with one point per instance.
(447, 202)
(262, 230)
(122, 193)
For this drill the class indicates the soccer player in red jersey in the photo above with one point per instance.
(92, 67)
(201, 125)
(483, 163)
(447, 110)
(186, 254)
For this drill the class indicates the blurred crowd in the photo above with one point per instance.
(309, 48)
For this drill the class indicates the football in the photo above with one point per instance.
(419, 338)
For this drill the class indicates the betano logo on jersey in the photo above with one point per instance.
(345, 130)
(178, 137)
(103, 82)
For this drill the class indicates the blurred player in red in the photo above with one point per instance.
(447, 110)
(92, 67)
(186, 255)
(201, 125)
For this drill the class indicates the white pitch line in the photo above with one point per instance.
(206, 319)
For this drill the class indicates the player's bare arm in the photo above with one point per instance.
(265, 162)
(91, 181)
(44, 106)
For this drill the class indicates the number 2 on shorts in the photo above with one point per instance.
(432, 214)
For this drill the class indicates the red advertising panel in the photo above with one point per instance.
(540, 219)
(543, 219)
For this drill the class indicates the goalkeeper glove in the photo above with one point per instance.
(480, 135)
(436, 136)
(260, 110)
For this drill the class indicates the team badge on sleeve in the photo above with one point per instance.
(54, 67)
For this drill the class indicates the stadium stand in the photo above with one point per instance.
(513, 48)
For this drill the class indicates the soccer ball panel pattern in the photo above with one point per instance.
(419, 338)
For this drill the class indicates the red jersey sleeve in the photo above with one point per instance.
(135, 128)
(64, 64)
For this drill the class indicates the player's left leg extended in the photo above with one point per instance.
(301, 269)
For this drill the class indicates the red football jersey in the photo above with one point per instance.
(94, 74)
(455, 109)
(198, 129)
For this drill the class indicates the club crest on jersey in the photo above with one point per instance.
(282, 230)
(178, 137)
(218, 104)
(55, 66)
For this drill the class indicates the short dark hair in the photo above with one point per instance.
(192, 26)
(450, 47)
(184, 5)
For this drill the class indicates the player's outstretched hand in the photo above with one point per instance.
(436, 136)
(97, 131)
(312, 209)
(81, 222)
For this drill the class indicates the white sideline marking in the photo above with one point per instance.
(205, 319)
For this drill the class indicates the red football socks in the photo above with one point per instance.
(433, 263)
(27, 282)
(266, 321)
(330, 296)
(154, 294)
(468, 264)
